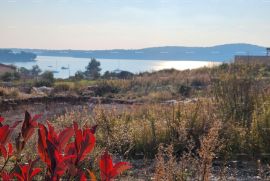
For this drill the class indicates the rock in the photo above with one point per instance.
(42, 90)
(171, 102)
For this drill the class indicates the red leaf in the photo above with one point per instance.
(26, 172)
(35, 118)
(19, 177)
(83, 177)
(71, 150)
(58, 162)
(35, 172)
(105, 165)
(4, 134)
(52, 134)
(10, 150)
(78, 136)
(1, 119)
(84, 142)
(64, 136)
(42, 145)
(6, 176)
(29, 126)
(59, 140)
(119, 168)
(87, 145)
(3, 151)
(6, 152)
(5, 131)
(107, 170)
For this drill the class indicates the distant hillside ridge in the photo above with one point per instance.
(7, 56)
(223, 53)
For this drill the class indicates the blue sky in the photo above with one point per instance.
(108, 24)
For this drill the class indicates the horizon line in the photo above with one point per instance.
(162, 46)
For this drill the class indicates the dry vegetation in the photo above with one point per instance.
(228, 121)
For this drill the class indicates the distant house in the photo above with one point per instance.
(254, 59)
(6, 68)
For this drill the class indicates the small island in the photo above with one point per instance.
(7, 55)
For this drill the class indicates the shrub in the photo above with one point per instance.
(63, 152)
(185, 90)
(79, 75)
(10, 76)
(105, 87)
(9, 92)
(45, 79)
(41, 83)
(237, 97)
(47, 76)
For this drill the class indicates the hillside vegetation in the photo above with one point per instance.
(182, 123)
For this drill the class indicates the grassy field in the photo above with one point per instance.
(186, 124)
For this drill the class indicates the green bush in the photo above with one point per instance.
(41, 83)
(10, 76)
(79, 75)
(45, 79)
(106, 87)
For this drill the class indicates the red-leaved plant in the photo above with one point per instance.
(63, 152)
(50, 146)
(26, 172)
(108, 170)
(6, 131)
(27, 130)
(6, 176)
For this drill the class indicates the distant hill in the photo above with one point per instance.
(215, 53)
(7, 55)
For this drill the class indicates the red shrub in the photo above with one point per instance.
(84, 143)
(6, 176)
(27, 172)
(54, 149)
(108, 170)
(27, 130)
(6, 152)
(6, 131)
(50, 146)
(29, 125)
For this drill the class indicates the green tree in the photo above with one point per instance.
(48, 76)
(24, 71)
(79, 75)
(35, 71)
(93, 69)
(46, 79)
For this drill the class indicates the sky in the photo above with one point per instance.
(132, 24)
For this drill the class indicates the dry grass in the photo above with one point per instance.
(12, 93)
(210, 145)
(9, 92)
(230, 117)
